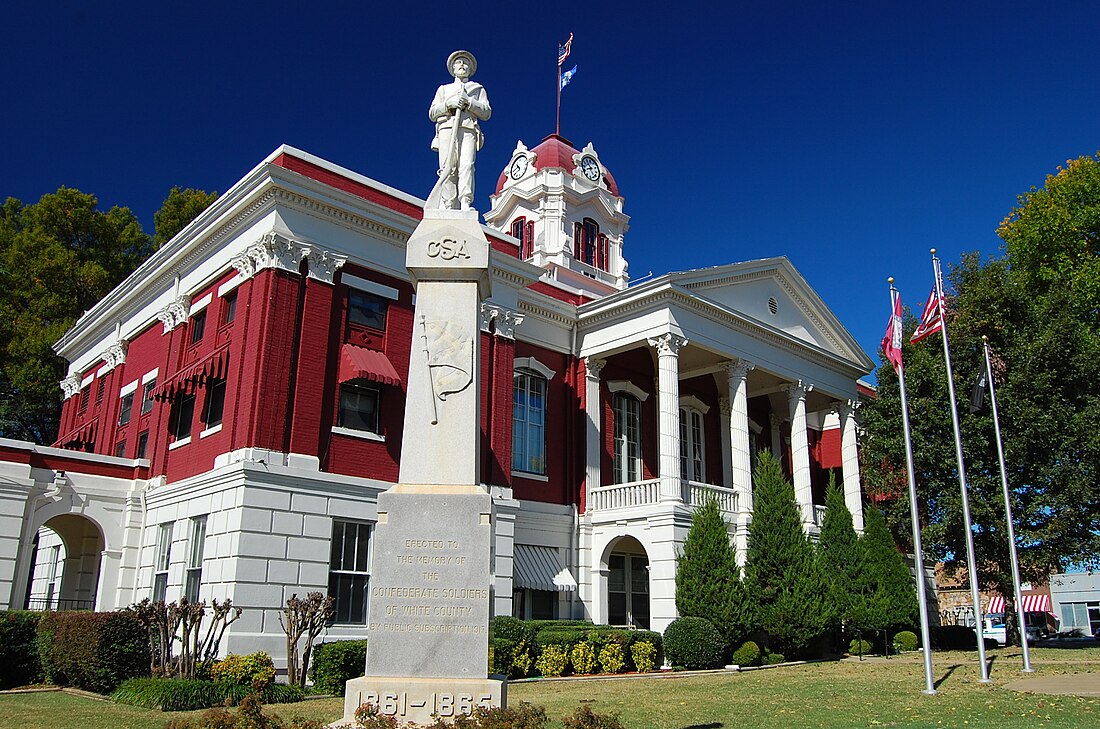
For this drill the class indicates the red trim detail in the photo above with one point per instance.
(316, 172)
(213, 366)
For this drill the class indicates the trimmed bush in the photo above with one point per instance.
(644, 655)
(500, 656)
(954, 638)
(513, 629)
(564, 638)
(906, 640)
(553, 661)
(774, 659)
(747, 655)
(188, 694)
(585, 718)
(255, 668)
(333, 664)
(859, 647)
(19, 664)
(693, 643)
(583, 658)
(92, 651)
(612, 658)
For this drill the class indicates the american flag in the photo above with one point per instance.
(931, 320)
(563, 50)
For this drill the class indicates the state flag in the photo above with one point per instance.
(891, 342)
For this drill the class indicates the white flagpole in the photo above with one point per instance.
(1020, 615)
(918, 550)
(971, 559)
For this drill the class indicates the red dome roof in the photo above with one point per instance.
(557, 151)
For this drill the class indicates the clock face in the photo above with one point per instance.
(519, 166)
(590, 168)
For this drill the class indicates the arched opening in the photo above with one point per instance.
(65, 573)
(628, 583)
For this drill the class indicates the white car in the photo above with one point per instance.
(994, 631)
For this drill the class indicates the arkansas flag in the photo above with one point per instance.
(891, 343)
(932, 319)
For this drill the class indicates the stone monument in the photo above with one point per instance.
(430, 588)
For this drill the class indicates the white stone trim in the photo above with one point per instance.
(197, 306)
(230, 285)
(87, 380)
(629, 387)
(364, 434)
(128, 389)
(693, 403)
(531, 476)
(530, 363)
(210, 431)
(150, 375)
(179, 443)
(371, 287)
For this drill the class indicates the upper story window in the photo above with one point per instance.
(529, 422)
(589, 244)
(83, 407)
(692, 459)
(229, 308)
(523, 230)
(628, 440)
(367, 309)
(181, 417)
(147, 396)
(99, 387)
(214, 404)
(359, 405)
(198, 326)
(126, 409)
(142, 444)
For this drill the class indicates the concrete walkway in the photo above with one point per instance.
(1072, 684)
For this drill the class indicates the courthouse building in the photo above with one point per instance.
(233, 409)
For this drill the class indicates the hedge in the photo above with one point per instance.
(92, 651)
(332, 665)
(19, 664)
(187, 694)
(516, 647)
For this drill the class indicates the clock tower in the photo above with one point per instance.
(564, 207)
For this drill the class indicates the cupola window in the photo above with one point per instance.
(589, 245)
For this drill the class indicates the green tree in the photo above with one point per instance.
(787, 590)
(885, 580)
(178, 210)
(839, 555)
(58, 257)
(708, 580)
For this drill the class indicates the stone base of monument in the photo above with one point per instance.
(428, 616)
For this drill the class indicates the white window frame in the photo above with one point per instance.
(162, 561)
(193, 579)
(524, 429)
(358, 568)
(627, 410)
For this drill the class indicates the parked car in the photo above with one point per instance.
(994, 631)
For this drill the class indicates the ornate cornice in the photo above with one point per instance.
(175, 313)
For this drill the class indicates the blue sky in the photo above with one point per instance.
(849, 136)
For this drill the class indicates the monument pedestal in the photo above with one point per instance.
(431, 577)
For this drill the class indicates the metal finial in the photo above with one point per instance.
(890, 280)
(985, 338)
(933, 251)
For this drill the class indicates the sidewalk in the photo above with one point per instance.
(1072, 684)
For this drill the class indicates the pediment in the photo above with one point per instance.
(773, 293)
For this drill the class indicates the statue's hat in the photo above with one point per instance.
(462, 54)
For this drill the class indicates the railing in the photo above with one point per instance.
(43, 604)
(819, 514)
(697, 494)
(620, 495)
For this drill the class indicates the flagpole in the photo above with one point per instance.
(1020, 614)
(557, 124)
(918, 550)
(971, 559)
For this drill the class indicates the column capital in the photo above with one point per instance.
(272, 250)
(70, 386)
(736, 369)
(506, 320)
(775, 419)
(844, 408)
(668, 344)
(175, 313)
(323, 264)
(798, 390)
(592, 367)
(115, 354)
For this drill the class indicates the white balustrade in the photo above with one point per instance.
(697, 494)
(819, 514)
(622, 495)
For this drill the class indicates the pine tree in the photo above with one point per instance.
(886, 579)
(839, 556)
(708, 580)
(786, 587)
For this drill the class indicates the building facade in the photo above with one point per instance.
(234, 407)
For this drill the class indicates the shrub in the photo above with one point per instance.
(859, 647)
(644, 655)
(612, 658)
(334, 664)
(552, 661)
(255, 668)
(367, 717)
(523, 716)
(92, 651)
(187, 694)
(693, 643)
(522, 660)
(513, 629)
(585, 718)
(500, 656)
(563, 637)
(906, 640)
(583, 658)
(747, 655)
(774, 659)
(954, 637)
(19, 664)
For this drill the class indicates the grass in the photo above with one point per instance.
(872, 693)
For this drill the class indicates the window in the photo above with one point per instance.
(99, 390)
(83, 400)
(586, 236)
(183, 412)
(359, 405)
(523, 230)
(349, 570)
(147, 396)
(628, 450)
(529, 422)
(692, 462)
(163, 559)
(142, 444)
(628, 590)
(194, 559)
(367, 309)
(198, 326)
(120, 449)
(215, 403)
(126, 409)
(229, 308)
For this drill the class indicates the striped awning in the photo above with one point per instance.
(1032, 604)
(540, 568)
(213, 366)
(368, 364)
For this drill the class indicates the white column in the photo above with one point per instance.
(668, 414)
(737, 374)
(800, 450)
(776, 421)
(849, 453)
(594, 422)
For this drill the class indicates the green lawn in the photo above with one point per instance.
(871, 693)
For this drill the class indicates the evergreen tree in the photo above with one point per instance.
(708, 580)
(787, 591)
(839, 556)
(886, 579)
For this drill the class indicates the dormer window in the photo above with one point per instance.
(589, 244)
(523, 230)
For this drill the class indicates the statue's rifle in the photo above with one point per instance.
(428, 363)
(452, 161)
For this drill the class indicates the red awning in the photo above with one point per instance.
(1032, 604)
(213, 366)
(368, 364)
